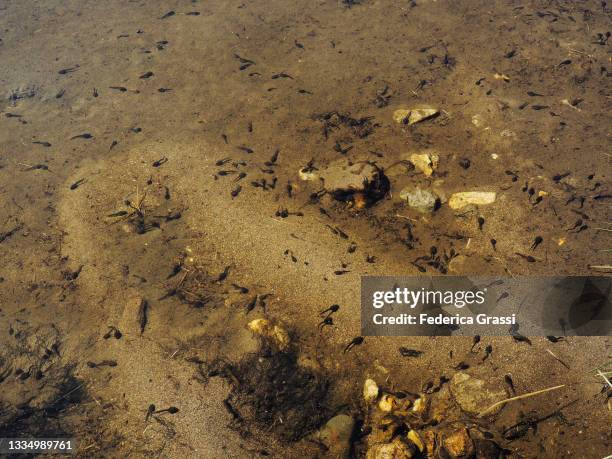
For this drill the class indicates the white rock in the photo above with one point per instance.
(370, 390)
(465, 198)
(307, 175)
(421, 200)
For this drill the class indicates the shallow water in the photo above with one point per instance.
(97, 95)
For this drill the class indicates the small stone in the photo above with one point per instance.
(459, 444)
(400, 115)
(422, 200)
(421, 114)
(457, 264)
(387, 403)
(275, 333)
(477, 120)
(419, 405)
(134, 319)
(342, 176)
(370, 390)
(395, 450)
(426, 161)
(415, 438)
(415, 115)
(444, 404)
(259, 326)
(430, 442)
(501, 76)
(361, 183)
(472, 395)
(307, 175)
(336, 435)
(465, 198)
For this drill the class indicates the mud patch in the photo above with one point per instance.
(274, 393)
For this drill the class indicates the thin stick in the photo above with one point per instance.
(558, 359)
(604, 377)
(518, 397)
(407, 218)
(600, 267)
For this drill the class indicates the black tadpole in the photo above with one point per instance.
(355, 342)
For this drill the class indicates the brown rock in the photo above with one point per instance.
(342, 176)
(472, 394)
(134, 318)
(459, 444)
(397, 449)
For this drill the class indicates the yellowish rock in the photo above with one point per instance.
(420, 114)
(387, 403)
(426, 162)
(459, 444)
(414, 115)
(394, 450)
(415, 438)
(420, 404)
(275, 333)
(465, 198)
(477, 120)
(307, 175)
(370, 390)
(501, 76)
(400, 115)
(259, 326)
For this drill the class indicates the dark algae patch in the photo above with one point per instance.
(273, 393)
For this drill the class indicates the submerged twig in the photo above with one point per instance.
(558, 359)
(518, 397)
(604, 377)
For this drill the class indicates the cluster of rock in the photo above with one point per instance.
(363, 183)
(403, 425)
